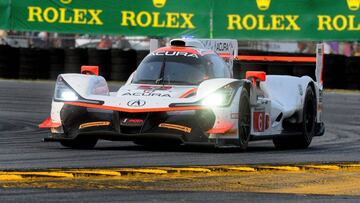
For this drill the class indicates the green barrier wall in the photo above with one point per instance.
(237, 19)
(125, 17)
(290, 19)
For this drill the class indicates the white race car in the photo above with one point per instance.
(183, 94)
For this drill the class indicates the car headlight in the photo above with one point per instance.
(221, 97)
(63, 92)
(69, 96)
(214, 99)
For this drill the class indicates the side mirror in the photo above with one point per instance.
(255, 76)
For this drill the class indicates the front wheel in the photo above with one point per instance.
(80, 143)
(307, 126)
(244, 120)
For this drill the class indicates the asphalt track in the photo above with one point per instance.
(23, 105)
(46, 195)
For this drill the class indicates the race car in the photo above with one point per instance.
(185, 93)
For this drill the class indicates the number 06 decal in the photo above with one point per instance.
(259, 121)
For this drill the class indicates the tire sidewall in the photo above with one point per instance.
(309, 100)
(244, 101)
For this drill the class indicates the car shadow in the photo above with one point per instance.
(190, 148)
(254, 147)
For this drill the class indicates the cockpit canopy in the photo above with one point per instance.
(180, 67)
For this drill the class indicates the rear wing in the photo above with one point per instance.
(226, 48)
(317, 61)
(319, 64)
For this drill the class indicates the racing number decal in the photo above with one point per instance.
(259, 124)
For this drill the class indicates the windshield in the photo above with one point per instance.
(176, 68)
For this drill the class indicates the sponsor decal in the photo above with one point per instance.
(222, 46)
(94, 124)
(316, 20)
(340, 22)
(263, 5)
(159, 3)
(175, 127)
(174, 53)
(157, 19)
(64, 15)
(146, 94)
(136, 103)
(132, 121)
(353, 5)
(151, 19)
(263, 22)
(258, 121)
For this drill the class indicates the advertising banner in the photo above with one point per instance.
(5, 13)
(123, 17)
(287, 20)
(236, 19)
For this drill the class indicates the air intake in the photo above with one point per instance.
(178, 43)
(187, 43)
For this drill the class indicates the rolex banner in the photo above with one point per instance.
(287, 20)
(124, 17)
(237, 19)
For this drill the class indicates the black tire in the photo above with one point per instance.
(74, 59)
(9, 62)
(140, 55)
(123, 63)
(56, 63)
(80, 143)
(307, 126)
(244, 121)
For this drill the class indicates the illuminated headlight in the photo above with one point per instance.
(214, 99)
(63, 92)
(69, 96)
(221, 97)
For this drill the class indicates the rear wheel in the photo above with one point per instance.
(80, 143)
(244, 120)
(307, 126)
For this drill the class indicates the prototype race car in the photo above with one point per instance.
(185, 94)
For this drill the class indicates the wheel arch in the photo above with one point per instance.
(247, 85)
(312, 86)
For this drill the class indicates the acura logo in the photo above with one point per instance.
(136, 103)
